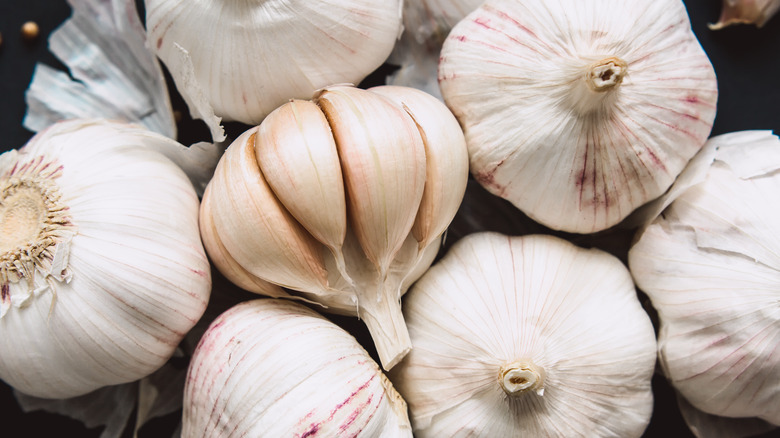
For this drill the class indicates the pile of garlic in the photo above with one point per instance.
(571, 111)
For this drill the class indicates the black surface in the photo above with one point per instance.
(745, 59)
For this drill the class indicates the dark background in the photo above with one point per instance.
(746, 60)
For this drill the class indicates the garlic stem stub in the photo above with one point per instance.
(526, 336)
(342, 200)
(271, 367)
(260, 54)
(710, 265)
(578, 112)
(101, 264)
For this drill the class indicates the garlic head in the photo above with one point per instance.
(710, 265)
(260, 54)
(578, 112)
(101, 265)
(342, 199)
(276, 368)
(526, 336)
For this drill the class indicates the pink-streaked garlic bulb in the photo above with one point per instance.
(101, 263)
(244, 59)
(578, 112)
(710, 264)
(276, 368)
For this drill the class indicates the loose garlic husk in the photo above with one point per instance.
(755, 12)
(526, 336)
(578, 112)
(101, 264)
(342, 199)
(260, 54)
(276, 368)
(710, 265)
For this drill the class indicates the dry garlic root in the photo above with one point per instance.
(578, 112)
(101, 264)
(342, 200)
(276, 368)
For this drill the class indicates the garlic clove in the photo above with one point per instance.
(446, 159)
(755, 12)
(574, 112)
(251, 220)
(276, 368)
(383, 161)
(224, 262)
(298, 158)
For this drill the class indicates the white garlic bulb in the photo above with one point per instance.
(755, 12)
(276, 368)
(578, 112)
(710, 266)
(342, 199)
(526, 336)
(101, 264)
(259, 54)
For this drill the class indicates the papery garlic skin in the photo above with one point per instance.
(260, 54)
(342, 199)
(276, 368)
(120, 275)
(710, 266)
(578, 112)
(526, 336)
(755, 12)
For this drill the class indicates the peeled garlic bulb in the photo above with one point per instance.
(101, 264)
(578, 112)
(755, 12)
(276, 368)
(342, 199)
(710, 266)
(526, 336)
(259, 54)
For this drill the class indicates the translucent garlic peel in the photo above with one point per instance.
(709, 264)
(755, 12)
(526, 336)
(262, 54)
(574, 158)
(276, 368)
(114, 291)
(342, 199)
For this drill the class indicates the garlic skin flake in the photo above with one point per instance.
(343, 200)
(260, 54)
(578, 112)
(710, 266)
(526, 336)
(101, 265)
(270, 367)
(755, 12)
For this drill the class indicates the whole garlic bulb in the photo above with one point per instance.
(276, 368)
(710, 266)
(259, 54)
(342, 199)
(526, 336)
(101, 264)
(578, 112)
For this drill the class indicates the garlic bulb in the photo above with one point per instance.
(101, 264)
(578, 112)
(342, 199)
(710, 266)
(526, 336)
(276, 368)
(260, 54)
(755, 12)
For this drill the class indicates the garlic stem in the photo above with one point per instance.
(605, 74)
(384, 319)
(521, 376)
